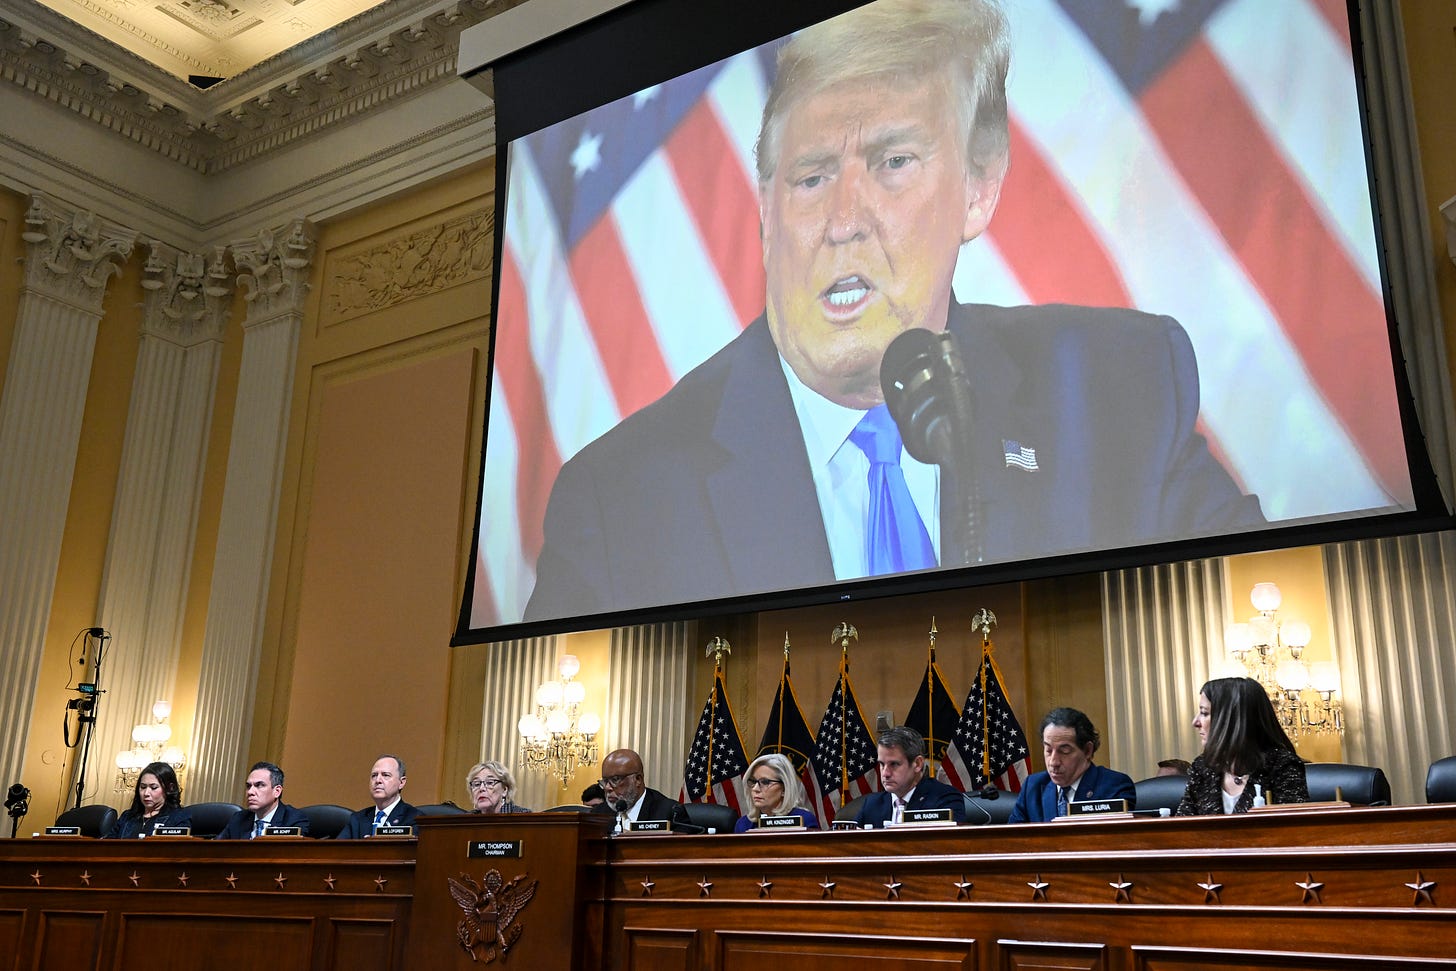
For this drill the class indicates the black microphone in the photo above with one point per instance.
(619, 804)
(990, 793)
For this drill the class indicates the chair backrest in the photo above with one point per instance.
(710, 815)
(326, 820)
(209, 818)
(999, 809)
(1161, 792)
(94, 820)
(441, 809)
(1441, 780)
(570, 808)
(1359, 785)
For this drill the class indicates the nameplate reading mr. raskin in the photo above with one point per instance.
(914, 816)
(1096, 807)
(781, 822)
(502, 849)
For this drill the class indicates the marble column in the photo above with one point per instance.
(159, 489)
(273, 272)
(70, 258)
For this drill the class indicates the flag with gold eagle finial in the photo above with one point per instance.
(716, 761)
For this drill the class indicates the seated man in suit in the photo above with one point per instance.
(628, 797)
(386, 780)
(902, 774)
(264, 798)
(1068, 739)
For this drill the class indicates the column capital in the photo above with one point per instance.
(273, 269)
(71, 254)
(187, 295)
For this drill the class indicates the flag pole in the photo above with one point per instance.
(930, 695)
(783, 679)
(717, 647)
(843, 633)
(983, 622)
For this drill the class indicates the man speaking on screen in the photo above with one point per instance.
(775, 464)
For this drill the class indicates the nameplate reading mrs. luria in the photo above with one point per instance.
(1096, 807)
(503, 849)
(647, 826)
(781, 822)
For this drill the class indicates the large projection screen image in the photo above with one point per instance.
(1156, 254)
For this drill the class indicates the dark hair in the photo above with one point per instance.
(1074, 719)
(398, 764)
(171, 791)
(1242, 726)
(904, 738)
(591, 792)
(275, 774)
(1181, 765)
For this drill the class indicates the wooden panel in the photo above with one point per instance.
(1050, 956)
(188, 942)
(740, 951)
(12, 925)
(69, 940)
(654, 949)
(360, 943)
(1188, 959)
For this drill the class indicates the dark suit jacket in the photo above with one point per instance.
(130, 825)
(654, 806)
(929, 794)
(1281, 777)
(678, 503)
(361, 824)
(1037, 801)
(240, 827)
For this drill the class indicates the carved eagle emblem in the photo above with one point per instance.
(488, 930)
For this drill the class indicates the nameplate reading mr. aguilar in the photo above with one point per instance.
(172, 831)
(499, 849)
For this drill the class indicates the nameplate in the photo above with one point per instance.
(283, 831)
(1096, 807)
(63, 831)
(394, 830)
(492, 849)
(781, 822)
(923, 817)
(172, 831)
(647, 826)
(844, 824)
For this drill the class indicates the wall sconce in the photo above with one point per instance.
(1271, 650)
(150, 745)
(555, 738)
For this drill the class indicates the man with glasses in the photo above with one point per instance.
(386, 780)
(263, 793)
(628, 797)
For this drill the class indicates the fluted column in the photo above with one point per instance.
(70, 257)
(159, 489)
(273, 271)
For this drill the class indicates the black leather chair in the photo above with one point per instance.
(850, 809)
(441, 809)
(326, 820)
(999, 809)
(94, 820)
(1359, 785)
(710, 815)
(569, 808)
(1441, 780)
(1161, 792)
(209, 818)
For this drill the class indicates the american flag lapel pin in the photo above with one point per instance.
(1018, 455)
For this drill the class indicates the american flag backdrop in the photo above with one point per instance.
(1198, 158)
(787, 733)
(716, 760)
(988, 746)
(846, 762)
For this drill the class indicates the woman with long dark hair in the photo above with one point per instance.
(156, 801)
(1246, 754)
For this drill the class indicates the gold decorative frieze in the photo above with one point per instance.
(409, 266)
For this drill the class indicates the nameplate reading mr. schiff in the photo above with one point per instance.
(283, 831)
(504, 849)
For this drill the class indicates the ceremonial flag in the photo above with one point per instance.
(989, 747)
(632, 248)
(933, 713)
(846, 761)
(716, 761)
(788, 734)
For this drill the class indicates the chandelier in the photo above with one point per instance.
(1271, 651)
(554, 738)
(149, 745)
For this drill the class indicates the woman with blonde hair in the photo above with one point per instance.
(491, 786)
(774, 789)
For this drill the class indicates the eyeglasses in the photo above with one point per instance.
(483, 784)
(612, 782)
(763, 783)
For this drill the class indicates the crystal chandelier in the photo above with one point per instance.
(149, 745)
(555, 738)
(1271, 651)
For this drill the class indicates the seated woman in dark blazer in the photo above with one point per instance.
(1245, 753)
(156, 801)
(774, 789)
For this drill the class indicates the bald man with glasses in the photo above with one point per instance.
(629, 798)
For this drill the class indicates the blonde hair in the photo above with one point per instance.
(508, 781)
(963, 43)
(793, 794)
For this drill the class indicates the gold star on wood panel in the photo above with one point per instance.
(329, 881)
(1422, 888)
(963, 888)
(182, 879)
(232, 881)
(36, 876)
(86, 877)
(705, 887)
(1310, 888)
(892, 889)
(135, 878)
(764, 886)
(827, 889)
(647, 886)
(379, 883)
(281, 880)
(1211, 891)
(1038, 888)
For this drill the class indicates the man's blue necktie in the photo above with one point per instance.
(379, 818)
(897, 539)
(258, 827)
